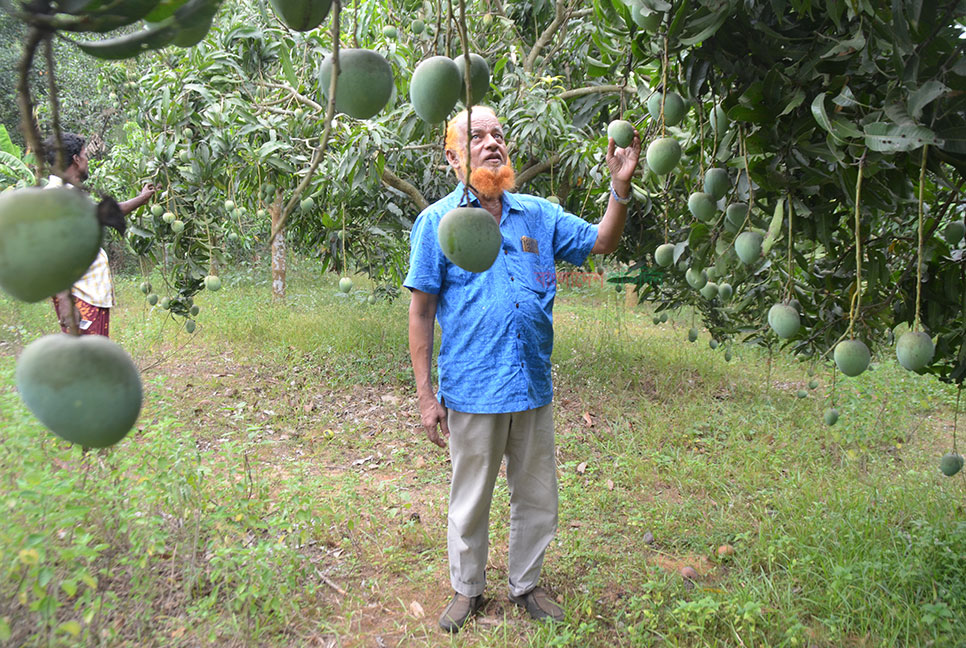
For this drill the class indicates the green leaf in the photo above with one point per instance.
(679, 249)
(894, 138)
(839, 129)
(268, 148)
(44, 576)
(900, 25)
(897, 113)
(70, 627)
(774, 228)
(89, 580)
(603, 42)
(597, 67)
(845, 98)
(794, 102)
(926, 94)
(15, 166)
(132, 44)
(844, 128)
(818, 111)
(6, 145)
(710, 24)
(137, 231)
(846, 47)
(700, 233)
(69, 587)
(163, 10)
(954, 140)
(287, 67)
(204, 92)
(697, 74)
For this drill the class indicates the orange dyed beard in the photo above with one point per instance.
(491, 184)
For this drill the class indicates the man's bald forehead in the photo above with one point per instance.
(460, 120)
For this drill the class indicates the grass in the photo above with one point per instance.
(278, 492)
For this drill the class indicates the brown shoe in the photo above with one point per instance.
(459, 610)
(539, 605)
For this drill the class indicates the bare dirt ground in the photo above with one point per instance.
(304, 424)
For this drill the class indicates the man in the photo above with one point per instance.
(494, 358)
(92, 297)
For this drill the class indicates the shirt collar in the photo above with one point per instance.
(57, 181)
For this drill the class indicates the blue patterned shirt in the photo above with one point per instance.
(497, 325)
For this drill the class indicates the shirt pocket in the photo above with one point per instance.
(539, 274)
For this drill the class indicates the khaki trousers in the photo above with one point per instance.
(478, 443)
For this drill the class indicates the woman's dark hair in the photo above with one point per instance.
(73, 145)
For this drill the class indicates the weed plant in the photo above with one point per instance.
(278, 491)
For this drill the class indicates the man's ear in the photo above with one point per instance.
(453, 158)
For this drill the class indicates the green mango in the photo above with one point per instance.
(674, 107)
(664, 254)
(48, 240)
(748, 247)
(831, 416)
(717, 182)
(951, 463)
(914, 350)
(663, 155)
(365, 82)
(622, 132)
(470, 237)
(85, 389)
(435, 88)
(480, 78)
(784, 320)
(702, 206)
(852, 357)
(301, 15)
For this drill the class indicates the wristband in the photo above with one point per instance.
(618, 199)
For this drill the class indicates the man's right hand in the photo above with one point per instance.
(433, 417)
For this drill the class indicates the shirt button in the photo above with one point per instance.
(518, 336)
(518, 305)
(511, 279)
(521, 364)
(505, 252)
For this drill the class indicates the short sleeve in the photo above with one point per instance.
(573, 238)
(427, 265)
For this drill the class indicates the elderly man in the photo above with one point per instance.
(92, 297)
(494, 359)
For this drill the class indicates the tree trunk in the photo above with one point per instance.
(278, 252)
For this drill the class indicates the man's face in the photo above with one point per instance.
(487, 144)
(80, 161)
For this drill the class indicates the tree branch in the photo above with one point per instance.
(327, 130)
(560, 17)
(532, 172)
(602, 89)
(295, 93)
(27, 123)
(392, 180)
(516, 34)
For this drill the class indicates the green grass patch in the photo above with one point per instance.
(278, 491)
